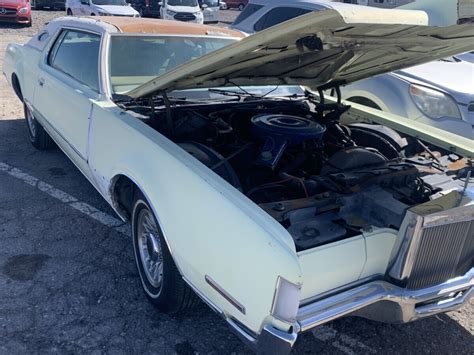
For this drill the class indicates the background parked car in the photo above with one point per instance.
(146, 8)
(259, 15)
(210, 10)
(51, 4)
(182, 10)
(15, 11)
(440, 94)
(100, 8)
(236, 4)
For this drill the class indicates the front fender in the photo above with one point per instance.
(212, 229)
(388, 91)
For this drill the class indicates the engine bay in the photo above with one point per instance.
(322, 180)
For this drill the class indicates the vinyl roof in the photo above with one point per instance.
(154, 26)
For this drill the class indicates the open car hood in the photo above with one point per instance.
(320, 49)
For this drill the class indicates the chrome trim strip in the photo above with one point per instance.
(410, 304)
(159, 35)
(225, 294)
(340, 289)
(455, 215)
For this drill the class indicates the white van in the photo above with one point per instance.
(210, 10)
(100, 8)
(182, 10)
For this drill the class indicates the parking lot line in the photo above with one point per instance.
(64, 197)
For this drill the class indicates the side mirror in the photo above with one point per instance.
(160, 3)
(85, 2)
(204, 6)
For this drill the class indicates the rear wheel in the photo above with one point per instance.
(160, 278)
(241, 7)
(39, 138)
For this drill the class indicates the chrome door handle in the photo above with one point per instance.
(41, 82)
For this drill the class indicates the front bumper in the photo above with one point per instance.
(20, 19)
(378, 300)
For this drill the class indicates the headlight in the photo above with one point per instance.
(103, 13)
(433, 103)
(286, 301)
(23, 10)
(170, 13)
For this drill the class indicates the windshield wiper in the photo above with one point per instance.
(238, 94)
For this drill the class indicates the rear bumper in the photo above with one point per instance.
(378, 300)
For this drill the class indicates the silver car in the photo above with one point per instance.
(440, 94)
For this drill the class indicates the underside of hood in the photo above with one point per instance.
(320, 50)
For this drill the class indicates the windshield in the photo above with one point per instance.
(182, 3)
(135, 60)
(467, 57)
(109, 2)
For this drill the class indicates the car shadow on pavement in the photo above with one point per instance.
(11, 25)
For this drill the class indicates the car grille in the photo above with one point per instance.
(7, 11)
(444, 252)
(435, 246)
(184, 16)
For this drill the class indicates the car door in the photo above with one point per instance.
(84, 8)
(67, 86)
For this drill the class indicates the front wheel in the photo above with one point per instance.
(160, 278)
(39, 138)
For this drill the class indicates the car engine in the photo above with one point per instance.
(307, 170)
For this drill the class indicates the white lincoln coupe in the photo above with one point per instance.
(245, 186)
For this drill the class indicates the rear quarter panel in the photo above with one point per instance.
(22, 61)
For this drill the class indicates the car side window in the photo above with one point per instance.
(278, 15)
(248, 11)
(76, 54)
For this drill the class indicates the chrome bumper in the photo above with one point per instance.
(378, 300)
(386, 302)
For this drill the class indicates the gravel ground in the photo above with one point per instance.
(68, 283)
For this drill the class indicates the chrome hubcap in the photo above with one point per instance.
(150, 248)
(30, 119)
